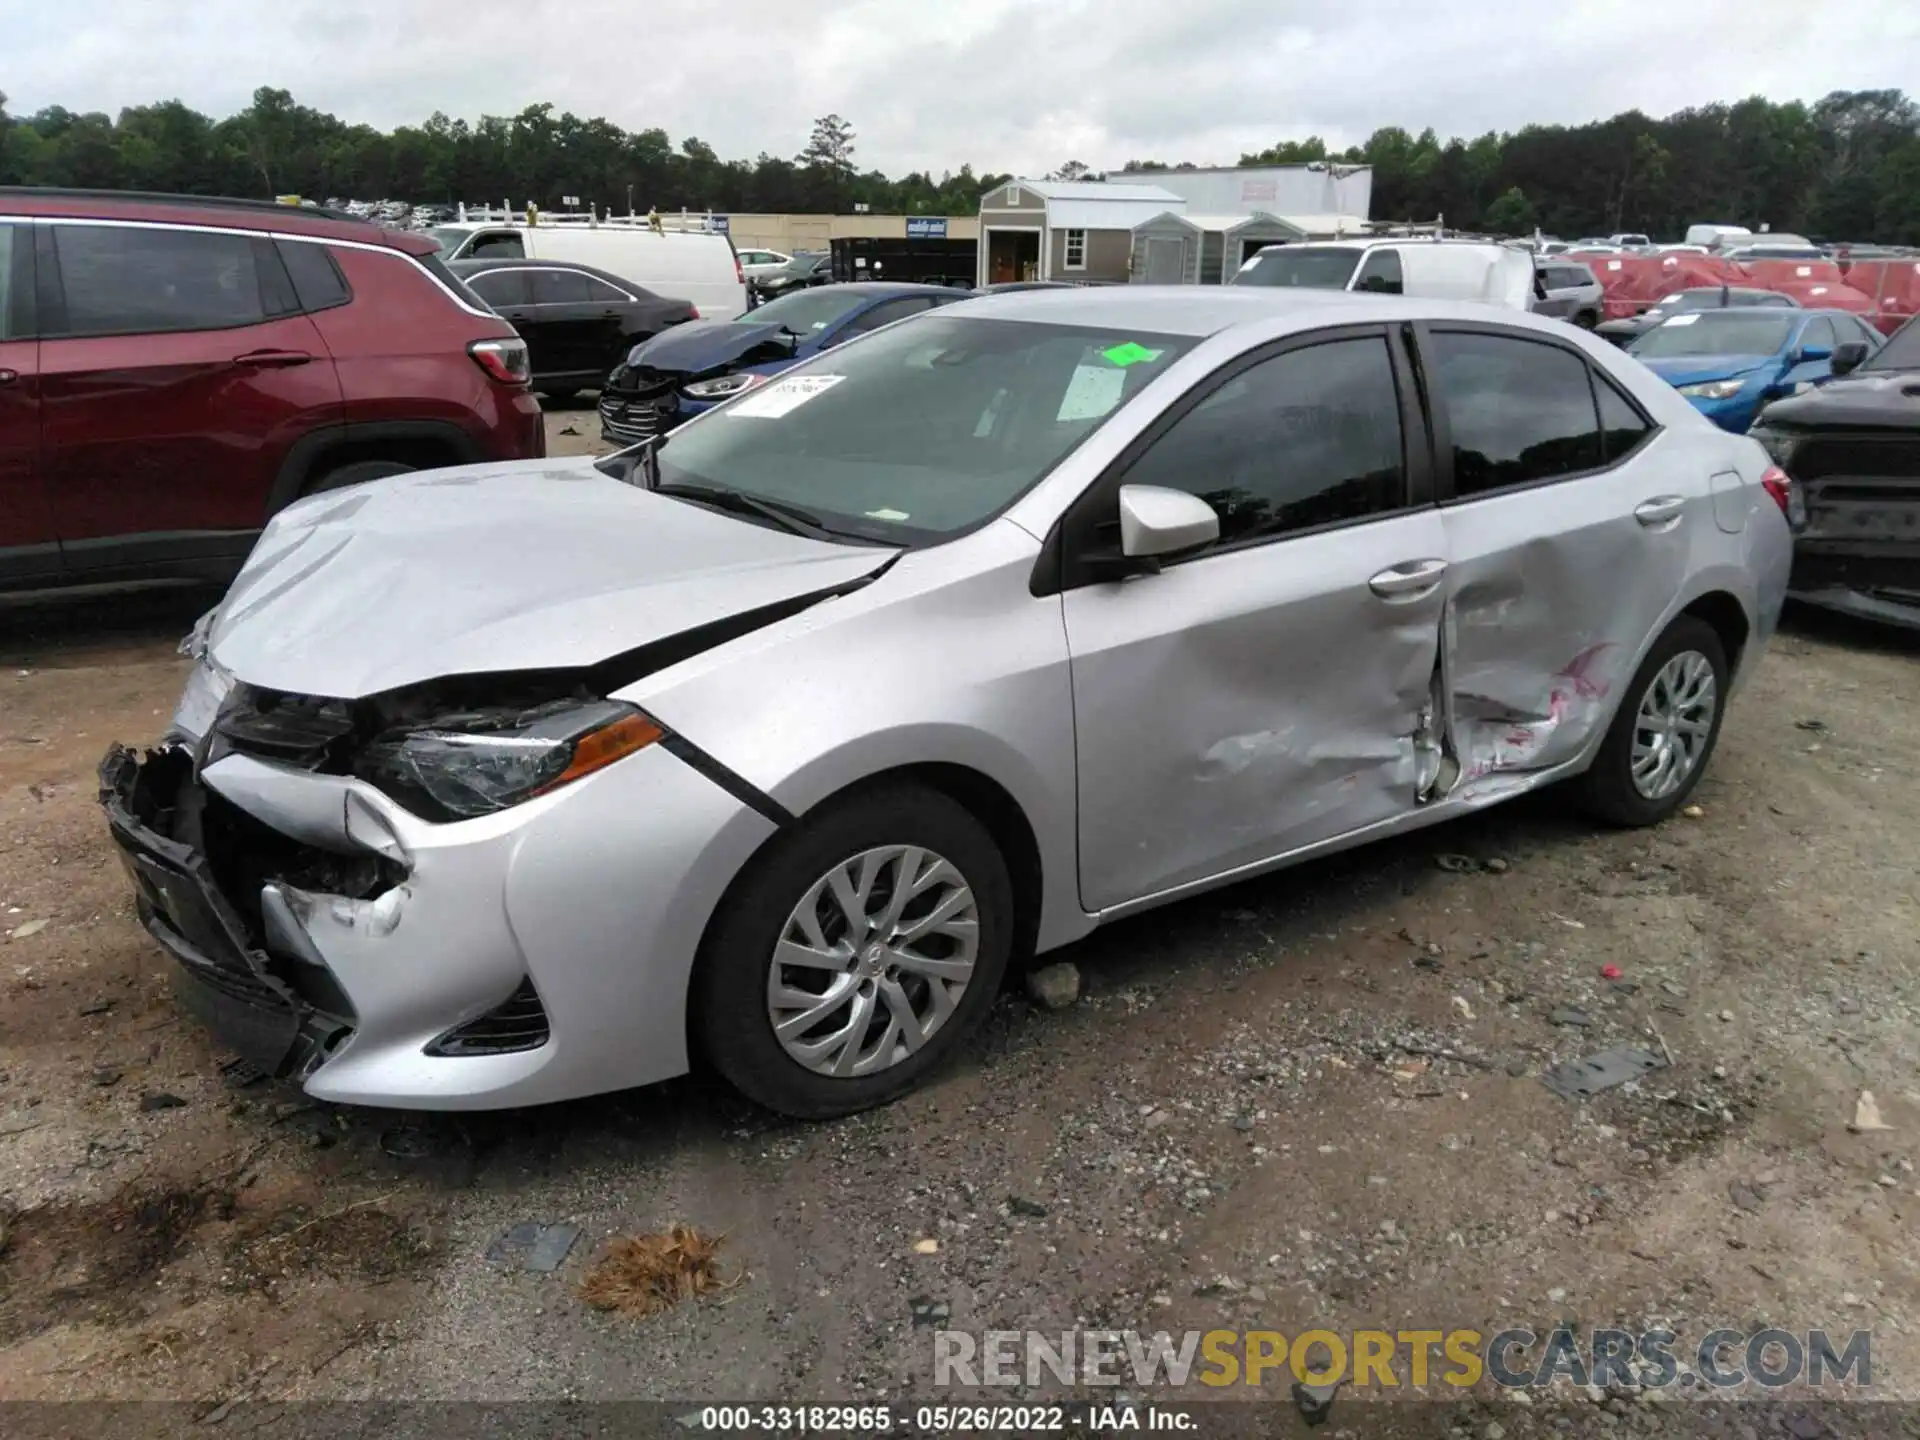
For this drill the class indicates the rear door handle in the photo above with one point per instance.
(272, 359)
(1659, 510)
(1407, 579)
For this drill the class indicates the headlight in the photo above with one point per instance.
(722, 387)
(1714, 389)
(478, 761)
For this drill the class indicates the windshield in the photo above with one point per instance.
(1902, 352)
(921, 430)
(1311, 267)
(1716, 332)
(806, 311)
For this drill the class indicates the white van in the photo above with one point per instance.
(1433, 269)
(680, 265)
(1718, 237)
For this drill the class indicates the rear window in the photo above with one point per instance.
(130, 280)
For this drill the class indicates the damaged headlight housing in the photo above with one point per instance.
(478, 761)
(722, 386)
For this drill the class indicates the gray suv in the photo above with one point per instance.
(1567, 291)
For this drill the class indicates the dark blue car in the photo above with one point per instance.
(1729, 363)
(677, 374)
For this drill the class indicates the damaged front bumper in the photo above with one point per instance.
(334, 938)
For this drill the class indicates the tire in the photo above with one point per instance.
(733, 1020)
(561, 397)
(1586, 320)
(1609, 790)
(355, 473)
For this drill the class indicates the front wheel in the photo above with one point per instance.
(1664, 731)
(856, 955)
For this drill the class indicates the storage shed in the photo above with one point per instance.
(1178, 249)
(1064, 230)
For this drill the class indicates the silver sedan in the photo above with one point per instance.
(776, 742)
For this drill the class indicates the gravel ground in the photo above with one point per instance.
(1309, 1100)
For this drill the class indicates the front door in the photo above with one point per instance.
(1566, 541)
(1273, 690)
(29, 543)
(171, 390)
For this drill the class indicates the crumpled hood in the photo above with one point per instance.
(1875, 399)
(1700, 369)
(534, 565)
(690, 349)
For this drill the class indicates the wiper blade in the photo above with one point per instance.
(787, 517)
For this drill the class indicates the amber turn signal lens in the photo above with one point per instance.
(600, 748)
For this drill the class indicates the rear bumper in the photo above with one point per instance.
(1887, 607)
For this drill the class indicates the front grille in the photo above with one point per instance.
(1859, 459)
(518, 1022)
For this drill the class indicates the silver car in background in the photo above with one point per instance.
(777, 741)
(1568, 290)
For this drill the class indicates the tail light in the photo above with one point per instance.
(1777, 483)
(504, 360)
(693, 311)
(739, 275)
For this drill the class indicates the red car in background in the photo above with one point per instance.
(173, 370)
(1893, 285)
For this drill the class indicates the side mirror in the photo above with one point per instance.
(1807, 354)
(1156, 522)
(1849, 357)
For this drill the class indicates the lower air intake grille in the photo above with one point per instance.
(518, 1022)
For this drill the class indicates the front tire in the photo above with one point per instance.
(1665, 730)
(356, 473)
(856, 954)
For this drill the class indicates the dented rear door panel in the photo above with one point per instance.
(1249, 703)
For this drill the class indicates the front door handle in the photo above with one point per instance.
(1407, 579)
(1659, 510)
(7, 377)
(273, 359)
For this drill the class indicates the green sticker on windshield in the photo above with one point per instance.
(1131, 353)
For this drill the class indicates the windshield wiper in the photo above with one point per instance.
(787, 517)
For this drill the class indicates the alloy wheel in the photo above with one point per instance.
(1674, 724)
(873, 960)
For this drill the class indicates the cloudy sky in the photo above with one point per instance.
(1017, 85)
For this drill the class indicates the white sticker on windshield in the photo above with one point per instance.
(1093, 391)
(1685, 319)
(782, 397)
(894, 515)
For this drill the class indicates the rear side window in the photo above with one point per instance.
(121, 280)
(1622, 426)
(1818, 334)
(1380, 272)
(1519, 411)
(1310, 437)
(316, 279)
(559, 287)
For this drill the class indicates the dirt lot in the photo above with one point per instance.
(1251, 1118)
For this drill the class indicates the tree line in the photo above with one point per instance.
(1844, 168)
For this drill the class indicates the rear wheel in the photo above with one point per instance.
(1586, 319)
(857, 954)
(560, 397)
(355, 473)
(1665, 729)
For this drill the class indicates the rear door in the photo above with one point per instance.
(1273, 690)
(176, 373)
(1566, 540)
(582, 315)
(29, 543)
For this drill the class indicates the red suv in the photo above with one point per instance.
(173, 370)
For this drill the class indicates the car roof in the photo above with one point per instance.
(1201, 310)
(516, 262)
(227, 213)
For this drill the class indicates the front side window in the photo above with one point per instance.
(1309, 437)
(1309, 267)
(1716, 332)
(1380, 273)
(1076, 249)
(128, 280)
(1519, 411)
(500, 287)
(923, 430)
